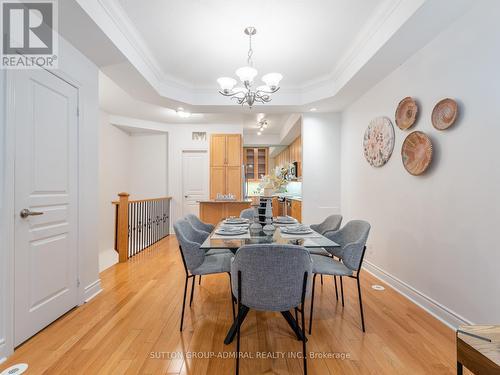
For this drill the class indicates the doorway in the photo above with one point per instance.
(194, 180)
(46, 200)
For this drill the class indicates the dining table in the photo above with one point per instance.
(259, 236)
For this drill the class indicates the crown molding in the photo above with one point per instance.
(389, 17)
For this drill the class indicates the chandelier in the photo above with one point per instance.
(248, 94)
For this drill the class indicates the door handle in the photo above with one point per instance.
(25, 213)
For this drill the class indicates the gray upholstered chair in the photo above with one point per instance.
(200, 236)
(198, 224)
(352, 238)
(247, 213)
(195, 260)
(271, 278)
(331, 223)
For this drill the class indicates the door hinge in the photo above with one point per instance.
(78, 283)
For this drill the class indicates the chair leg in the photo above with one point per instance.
(199, 280)
(192, 291)
(312, 304)
(342, 290)
(304, 349)
(238, 326)
(361, 305)
(184, 301)
(321, 279)
(296, 316)
(232, 297)
(336, 290)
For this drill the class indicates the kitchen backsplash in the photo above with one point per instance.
(293, 188)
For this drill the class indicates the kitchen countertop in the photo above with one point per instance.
(228, 201)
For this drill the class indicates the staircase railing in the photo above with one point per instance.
(139, 224)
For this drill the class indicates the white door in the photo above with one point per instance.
(194, 180)
(46, 166)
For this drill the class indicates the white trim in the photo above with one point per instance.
(437, 310)
(113, 20)
(92, 290)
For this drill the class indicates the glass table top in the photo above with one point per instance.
(261, 237)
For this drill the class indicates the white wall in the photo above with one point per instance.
(436, 236)
(136, 164)
(148, 166)
(82, 73)
(320, 166)
(114, 146)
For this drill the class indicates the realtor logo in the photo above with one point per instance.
(29, 34)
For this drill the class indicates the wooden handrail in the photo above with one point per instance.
(144, 200)
(139, 223)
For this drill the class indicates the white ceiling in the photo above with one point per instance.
(115, 100)
(196, 41)
(169, 53)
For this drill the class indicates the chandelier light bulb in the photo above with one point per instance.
(226, 84)
(246, 73)
(272, 80)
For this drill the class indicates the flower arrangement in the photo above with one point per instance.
(276, 181)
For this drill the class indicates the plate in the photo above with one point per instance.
(378, 141)
(300, 229)
(236, 221)
(285, 220)
(285, 230)
(224, 232)
(444, 114)
(416, 153)
(406, 113)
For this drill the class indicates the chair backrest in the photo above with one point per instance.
(198, 224)
(247, 213)
(272, 276)
(187, 237)
(331, 223)
(352, 237)
(198, 236)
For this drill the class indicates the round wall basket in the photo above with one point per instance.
(444, 114)
(406, 113)
(416, 153)
(378, 142)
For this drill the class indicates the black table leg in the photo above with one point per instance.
(460, 368)
(293, 324)
(242, 314)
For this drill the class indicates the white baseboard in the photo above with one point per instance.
(440, 312)
(107, 258)
(92, 290)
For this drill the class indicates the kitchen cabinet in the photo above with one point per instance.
(293, 153)
(296, 209)
(225, 165)
(214, 212)
(256, 163)
(276, 207)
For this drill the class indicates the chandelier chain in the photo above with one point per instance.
(250, 51)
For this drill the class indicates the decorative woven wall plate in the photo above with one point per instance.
(378, 141)
(444, 114)
(406, 113)
(416, 153)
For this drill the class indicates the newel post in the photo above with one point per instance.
(122, 227)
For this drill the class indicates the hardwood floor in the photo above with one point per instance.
(132, 327)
